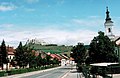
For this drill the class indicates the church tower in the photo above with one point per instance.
(108, 25)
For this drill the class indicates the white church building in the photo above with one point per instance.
(109, 32)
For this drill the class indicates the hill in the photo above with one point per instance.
(38, 44)
(52, 48)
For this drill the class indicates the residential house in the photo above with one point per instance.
(65, 60)
(10, 51)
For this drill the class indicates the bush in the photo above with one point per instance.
(2, 73)
(114, 70)
(30, 69)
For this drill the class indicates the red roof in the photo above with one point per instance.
(10, 53)
(55, 56)
(10, 50)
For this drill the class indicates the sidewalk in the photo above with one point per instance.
(73, 74)
(29, 73)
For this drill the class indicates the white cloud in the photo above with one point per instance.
(50, 36)
(7, 6)
(55, 35)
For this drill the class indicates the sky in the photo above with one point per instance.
(63, 22)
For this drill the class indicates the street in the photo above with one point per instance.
(57, 73)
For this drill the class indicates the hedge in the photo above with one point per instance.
(24, 70)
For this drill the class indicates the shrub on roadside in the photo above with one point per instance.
(2, 73)
(25, 70)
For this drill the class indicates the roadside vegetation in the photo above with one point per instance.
(25, 70)
(25, 60)
(100, 50)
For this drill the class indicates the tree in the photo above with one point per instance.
(22, 55)
(39, 60)
(33, 61)
(27, 54)
(44, 62)
(79, 53)
(101, 50)
(19, 55)
(4, 53)
(55, 61)
(48, 59)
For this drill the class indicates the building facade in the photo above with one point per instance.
(109, 26)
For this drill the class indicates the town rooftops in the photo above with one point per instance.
(55, 56)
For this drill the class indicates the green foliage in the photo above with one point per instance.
(55, 61)
(48, 59)
(23, 55)
(2, 73)
(79, 53)
(101, 50)
(27, 54)
(19, 55)
(44, 61)
(4, 53)
(39, 60)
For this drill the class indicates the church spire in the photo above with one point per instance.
(107, 15)
(108, 25)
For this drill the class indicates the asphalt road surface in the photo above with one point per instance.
(57, 73)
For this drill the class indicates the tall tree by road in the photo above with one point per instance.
(101, 50)
(4, 53)
(79, 53)
(19, 55)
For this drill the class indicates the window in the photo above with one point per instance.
(109, 30)
(10, 57)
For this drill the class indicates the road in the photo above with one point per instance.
(57, 73)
